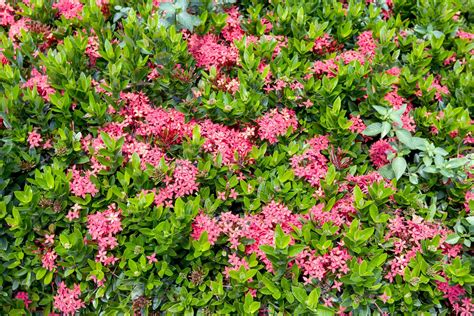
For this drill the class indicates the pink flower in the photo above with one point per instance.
(71, 215)
(103, 226)
(49, 239)
(312, 164)
(394, 71)
(276, 123)
(384, 297)
(307, 103)
(236, 264)
(468, 198)
(34, 139)
(203, 223)
(24, 297)
(325, 67)
(208, 51)
(7, 14)
(378, 152)
(67, 300)
(325, 44)
(152, 258)
(328, 301)
(367, 44)
(233, 194)
(39, 81)
(221, 196)
(337, 285)
(92, 49)
(49, 260)
(465, 35)
(81, 185)
(454, 133)
(69, 9)
(232, 31)
(450, 60)
(358, 126)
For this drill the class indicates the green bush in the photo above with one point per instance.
(206, 157)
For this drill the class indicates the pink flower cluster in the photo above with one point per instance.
(364, 181)
(378, 152)
(397, 102)
(325, 44)
(407, 235)
(236, 263)
(276, 123)
(24, 297)
(226, 141)
(454, 294)
(92, 49)
(34, 139)
(80, 184)
(341, 213)
(259, 228)
(440, 90)
(465, 35)
(317, 267)
(358, 126)
(327, 67)
(7, 14)
(232, 31)
(67, 300)
(103, 226)
(209, 51)
(48, 259)
(39, 81)
(367, 44)
(468, 198)
(69, 9)
(312, 164)
(183, 182)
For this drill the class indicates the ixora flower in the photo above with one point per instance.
(276, 123)
(67, 300)
(69, 9)
(24, 297)
(165, 157)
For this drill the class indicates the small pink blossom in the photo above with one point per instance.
(49, 260)
(378, 152)
(80, 184)
(394, 71)
(24, 297)
(39, 81)
(233, 194)
(67, 300)
(34, 139)
(49, 239)
(152, 258)
(69, 9)
(358, 126)
(276, 123)
(384, 297)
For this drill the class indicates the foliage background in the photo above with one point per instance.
(394, 180)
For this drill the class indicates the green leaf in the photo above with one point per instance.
(386, 127)
(281, 240)
(373, 129)
(452, 239)
(313, 298)
(399, 165)
(299, 293)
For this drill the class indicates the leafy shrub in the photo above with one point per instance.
(282, 157)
